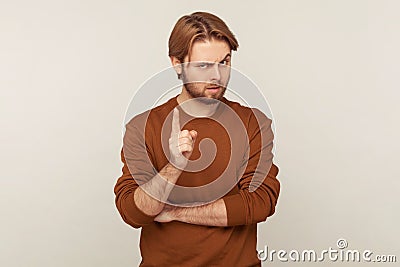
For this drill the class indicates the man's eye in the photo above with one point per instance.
(203, 66)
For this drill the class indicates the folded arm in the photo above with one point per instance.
(258, 187)
(140, 192)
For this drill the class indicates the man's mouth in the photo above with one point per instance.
(213, 89)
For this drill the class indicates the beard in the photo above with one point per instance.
(198, 90)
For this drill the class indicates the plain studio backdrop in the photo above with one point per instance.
(68, 70)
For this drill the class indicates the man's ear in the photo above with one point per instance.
(176, 63)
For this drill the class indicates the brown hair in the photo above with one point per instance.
(198, 26)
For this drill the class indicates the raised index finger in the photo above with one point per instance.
(176, 128)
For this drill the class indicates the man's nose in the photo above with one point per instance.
(216, 73)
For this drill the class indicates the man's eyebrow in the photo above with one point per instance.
(227, 55)
(210, 62)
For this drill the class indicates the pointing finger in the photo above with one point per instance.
(176, 128)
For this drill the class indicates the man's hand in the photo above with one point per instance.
(181, 143)
(166, 215)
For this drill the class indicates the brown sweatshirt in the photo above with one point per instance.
(243, 161)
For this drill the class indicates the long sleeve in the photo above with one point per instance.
(137, 169)
(251, 206)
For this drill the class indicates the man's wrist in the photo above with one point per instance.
(170, 173)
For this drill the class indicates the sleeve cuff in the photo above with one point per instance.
(235, 209)
(136, 215)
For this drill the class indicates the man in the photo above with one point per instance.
(198, 173)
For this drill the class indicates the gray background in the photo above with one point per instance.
(68, 69)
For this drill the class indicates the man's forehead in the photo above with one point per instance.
(212, 51)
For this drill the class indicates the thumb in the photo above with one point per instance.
(193, 133)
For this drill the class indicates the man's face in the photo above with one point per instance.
(207, 74)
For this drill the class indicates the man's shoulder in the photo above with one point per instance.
(155, 114)
(236, 106)
(166, 107)
(246, 112)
